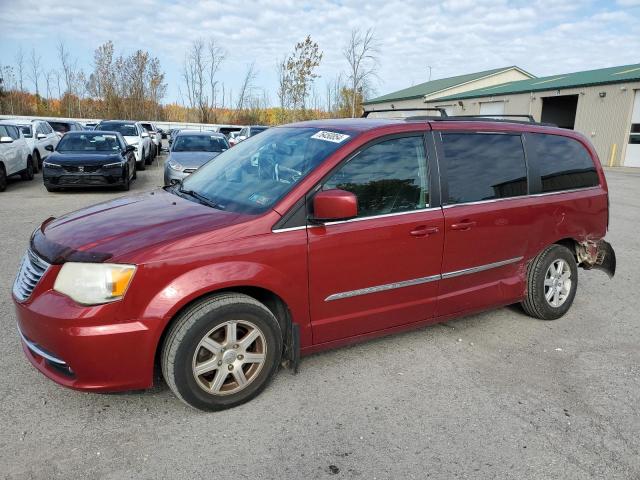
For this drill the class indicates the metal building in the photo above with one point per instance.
(602, 104)
(417, 95)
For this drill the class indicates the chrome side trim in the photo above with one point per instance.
(480, 268)
(529, 195)
(382, 288)
(384, 215)
(290, 229)
(418, 281)
(37, 350)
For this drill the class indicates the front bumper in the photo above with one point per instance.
(92, 176)
(85, 348)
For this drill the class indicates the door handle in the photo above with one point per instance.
(464, 225)
(423, 231)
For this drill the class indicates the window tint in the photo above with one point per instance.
(387, 177)
(3, 131)
(484, 166)
(562, 162)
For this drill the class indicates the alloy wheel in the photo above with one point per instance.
(229, 357)
(557, 283)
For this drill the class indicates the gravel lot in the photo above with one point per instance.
(496, 395)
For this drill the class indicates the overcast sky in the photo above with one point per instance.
(454, 37)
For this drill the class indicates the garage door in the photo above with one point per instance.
(492, 108)
(632, 158)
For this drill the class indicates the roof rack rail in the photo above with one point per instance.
(501, 116)
(482, 118)
(442, 111)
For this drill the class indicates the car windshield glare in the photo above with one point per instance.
(199, 143)
(124, 129)
(94, 143)
(252, 176)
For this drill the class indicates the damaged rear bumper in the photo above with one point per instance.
(597, 255)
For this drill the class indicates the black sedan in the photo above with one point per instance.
(88, 159)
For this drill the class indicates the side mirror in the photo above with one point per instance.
(40, 136)
(6, 140)
(333, 205)
(130, 148)
(144, 135)
(49, 148)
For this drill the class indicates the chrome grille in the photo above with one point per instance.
(31, 270)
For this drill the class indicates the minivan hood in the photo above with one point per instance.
(125, 225)
(192, 159)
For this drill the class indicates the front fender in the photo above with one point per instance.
(187, 287)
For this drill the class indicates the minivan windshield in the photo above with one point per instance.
(199, 143)
(252, 176)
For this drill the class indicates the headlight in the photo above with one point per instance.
(51, 165)
(111, 165)
(94, 283)
(175, 166)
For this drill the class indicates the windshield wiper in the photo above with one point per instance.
(198, 196)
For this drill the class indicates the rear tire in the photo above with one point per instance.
(27, 173)
(234, 340)
(141, 164)
(552, 281)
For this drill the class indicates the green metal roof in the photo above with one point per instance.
(422, 89)
(602, 76)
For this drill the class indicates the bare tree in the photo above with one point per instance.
(246, 88)
(361, 55)
(34, 75)
(68, 70)
(48, 79)
(216, 57)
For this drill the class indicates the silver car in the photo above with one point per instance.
(189, 151)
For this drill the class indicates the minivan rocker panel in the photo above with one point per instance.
(240, 279)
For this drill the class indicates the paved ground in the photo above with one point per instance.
(497, 395)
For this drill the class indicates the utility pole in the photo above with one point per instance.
(429, 67)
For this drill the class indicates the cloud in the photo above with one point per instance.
(453, 36)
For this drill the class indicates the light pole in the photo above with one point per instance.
(429, 67)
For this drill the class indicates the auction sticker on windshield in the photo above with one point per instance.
(330, 136)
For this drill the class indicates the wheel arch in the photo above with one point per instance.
(274, 302)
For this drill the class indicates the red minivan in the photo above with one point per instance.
(310, 236)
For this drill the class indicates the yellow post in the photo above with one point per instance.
(612, 157)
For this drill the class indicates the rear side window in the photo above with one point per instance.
(13, 132)
(562, 163)
(387, 177)
(484, 166)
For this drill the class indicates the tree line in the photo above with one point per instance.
(134, 86)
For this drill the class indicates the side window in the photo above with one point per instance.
(388, 177)
(46, 128)
(3, 131)
(484, 166)
(563, 163)
(13, 132)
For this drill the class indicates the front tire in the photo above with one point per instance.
(126, 182)
(552, 281)
(221, 352)
(3, 178)
(27, 174)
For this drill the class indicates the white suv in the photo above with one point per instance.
(156, 137)
(38, 134)
(134, 134)
(15, 156)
